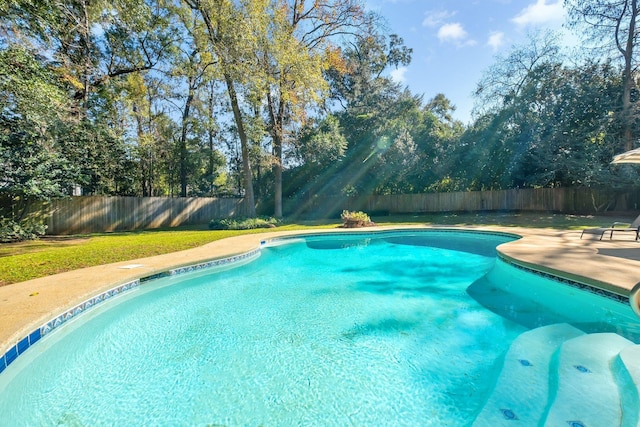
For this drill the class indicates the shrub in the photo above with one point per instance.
(355, 219)
(242, 223)
(12, 231)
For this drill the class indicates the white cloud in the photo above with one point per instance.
(452, 32)
(433, 18)
(540, 13)
(496, 40)
(455, 33)
(398, 75)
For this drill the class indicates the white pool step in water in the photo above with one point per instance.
(557, 375)
(627, 370)
(521, 393)
(586, 391)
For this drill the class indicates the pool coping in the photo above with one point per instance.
(29, 334)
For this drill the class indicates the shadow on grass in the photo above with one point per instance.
(507, 219)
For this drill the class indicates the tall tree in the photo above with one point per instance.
(613, 25)
(93, 46)
(503, 81)
(298, 47)
(194, 64)
(153, 132)
(226, 30)
(387, 128)
(33, 112)
(558, 131)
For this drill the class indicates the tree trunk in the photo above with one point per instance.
(277, 126)
(183, 138)
(211, 135)
(145, 169)
(244, 146)
(217, 44)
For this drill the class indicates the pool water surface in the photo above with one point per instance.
(332, 330)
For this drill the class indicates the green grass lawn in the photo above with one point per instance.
(57, 254)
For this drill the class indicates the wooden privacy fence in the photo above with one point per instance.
(562, 200)
(98, 213)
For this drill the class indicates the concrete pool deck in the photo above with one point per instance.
(613, 265)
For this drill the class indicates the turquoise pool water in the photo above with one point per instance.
(380, 329)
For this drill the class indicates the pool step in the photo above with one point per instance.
(586, 391)
(627, 369)
(522, 388)
(557, 375)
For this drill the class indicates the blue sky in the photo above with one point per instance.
(455, 41)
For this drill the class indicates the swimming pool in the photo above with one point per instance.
(402, 328)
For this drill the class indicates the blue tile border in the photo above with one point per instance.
(214, 263)
(25, 343)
